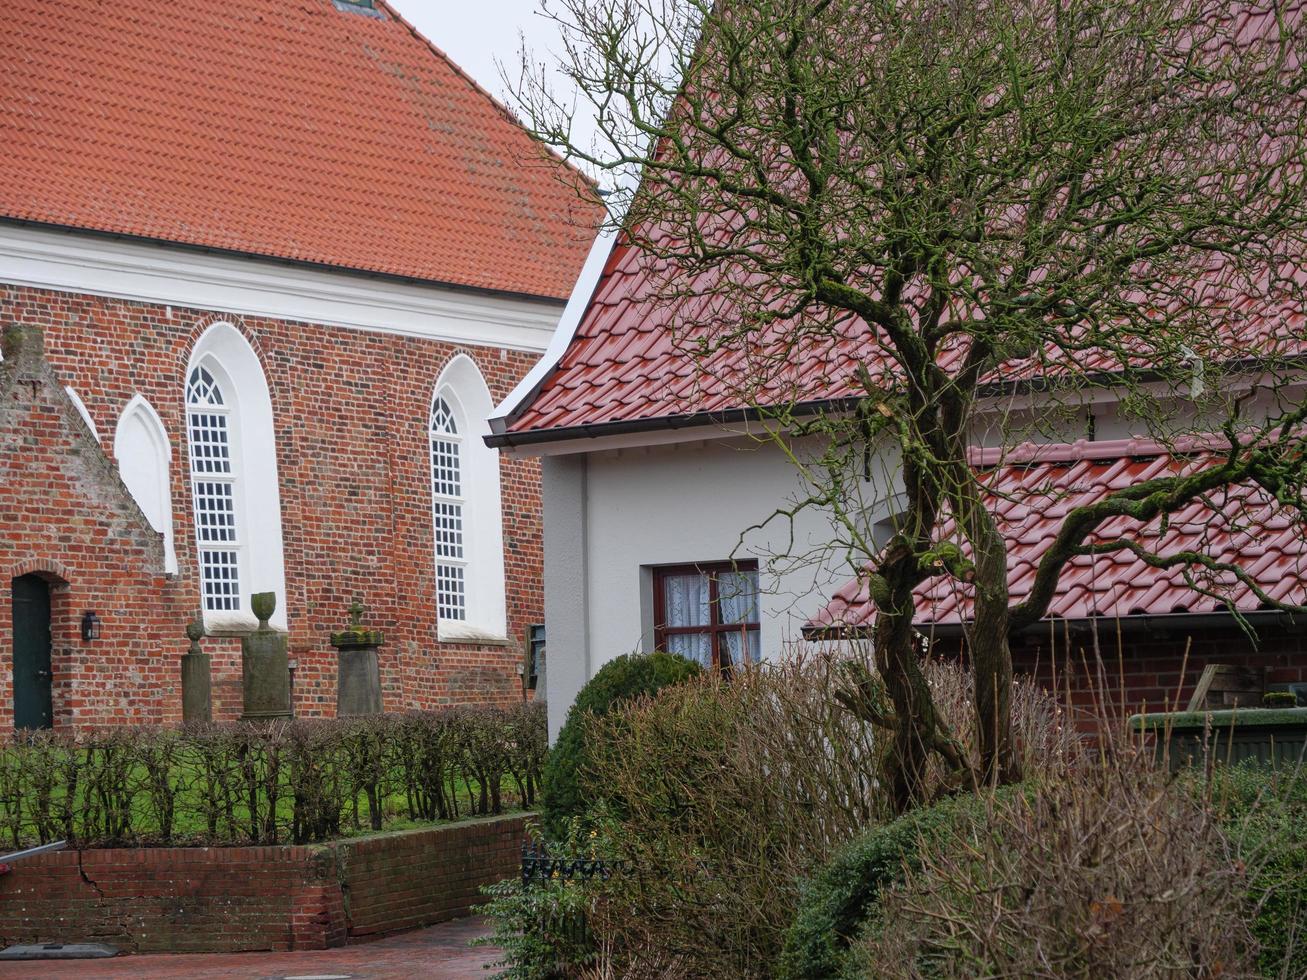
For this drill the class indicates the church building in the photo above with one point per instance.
(265, 269)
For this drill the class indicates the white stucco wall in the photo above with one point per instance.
(611, 516)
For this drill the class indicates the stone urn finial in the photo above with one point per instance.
(195, 633)
(264, 605)
(265, 666)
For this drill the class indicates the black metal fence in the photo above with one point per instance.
(539, 866)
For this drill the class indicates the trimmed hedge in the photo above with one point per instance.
(266, 783)
(628, 676)
(838, 901)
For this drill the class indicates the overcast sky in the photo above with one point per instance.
(476, 32)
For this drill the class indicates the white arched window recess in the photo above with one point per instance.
(80, 405)
(467, 517)
(144, 455)
(236, 499)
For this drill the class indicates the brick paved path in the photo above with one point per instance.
(439, 953)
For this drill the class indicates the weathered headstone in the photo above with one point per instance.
(265, 665)
(197, 677)
(358, 673)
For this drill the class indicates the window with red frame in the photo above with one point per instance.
(708, 612)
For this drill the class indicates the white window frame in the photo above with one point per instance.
(449, 511)
(462, 387)
(224, 420)
(223, 350)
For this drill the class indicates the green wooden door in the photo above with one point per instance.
(32, 704)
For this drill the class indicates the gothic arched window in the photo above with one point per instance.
(232, 449)
(213, 484)
(466, 515)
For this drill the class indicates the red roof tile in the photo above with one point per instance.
(630, 359)
(285, 128)
(626, 315)
(626, 364)
(1035, 488)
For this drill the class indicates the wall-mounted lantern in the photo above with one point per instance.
(90, 626)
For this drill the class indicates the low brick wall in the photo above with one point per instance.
(228, 899)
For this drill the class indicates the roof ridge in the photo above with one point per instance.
(1090, 449)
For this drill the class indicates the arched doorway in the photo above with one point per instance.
(33, 701)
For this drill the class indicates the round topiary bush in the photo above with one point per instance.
(840, 898)
(628, 676)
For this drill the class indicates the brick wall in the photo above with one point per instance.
(1150, 670)
(257, 898)
(65, 516)
(351, 413)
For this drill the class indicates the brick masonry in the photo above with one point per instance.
(351, 409)
(1145, 670)
(177, 899)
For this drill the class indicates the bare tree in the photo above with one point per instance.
(876, 222)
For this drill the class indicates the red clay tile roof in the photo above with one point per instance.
(285, 128)
(623, 366)
(1243, 525)
(630, 361)
(626, 365)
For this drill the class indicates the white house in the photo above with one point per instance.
(663, 529)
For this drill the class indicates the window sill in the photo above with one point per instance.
(447, 632)
(234, 624)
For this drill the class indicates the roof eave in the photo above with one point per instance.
(736, 416)
(394, 277)
(1141, 622)
(502, 437)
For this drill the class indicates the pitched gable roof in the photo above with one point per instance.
(625, 368)
(286, 128)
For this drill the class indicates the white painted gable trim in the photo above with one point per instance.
(577, 304)
(69, 262)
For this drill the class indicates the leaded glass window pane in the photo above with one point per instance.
(213, 486)
(201, 389)
(447, 512)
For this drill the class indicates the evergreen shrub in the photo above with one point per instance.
(837, 902)
(622, 679)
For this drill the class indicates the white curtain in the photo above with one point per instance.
(685, 603)
(692, 646)
(685, 599)
(737, 602)
(737, 597)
